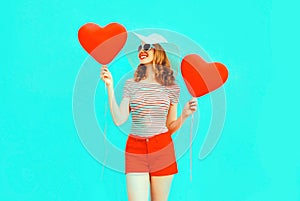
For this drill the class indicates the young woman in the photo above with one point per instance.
(152, 98)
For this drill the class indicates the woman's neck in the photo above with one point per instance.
(150, 73)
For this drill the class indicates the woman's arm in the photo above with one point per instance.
(174, 123)
(119, 115)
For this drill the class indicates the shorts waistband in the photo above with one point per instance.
(140, 138)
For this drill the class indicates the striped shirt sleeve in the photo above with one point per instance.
(174, 94)
(126, 90)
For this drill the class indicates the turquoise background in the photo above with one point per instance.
(41, 155)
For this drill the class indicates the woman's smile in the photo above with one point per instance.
(143, 55)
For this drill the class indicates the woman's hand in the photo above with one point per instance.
(190, 107)
(106, 76)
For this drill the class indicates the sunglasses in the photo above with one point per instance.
(145, 47)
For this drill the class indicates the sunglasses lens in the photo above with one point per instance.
(146, 47)
(139, 48)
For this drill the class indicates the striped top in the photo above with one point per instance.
(149, 105)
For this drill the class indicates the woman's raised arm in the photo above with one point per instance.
(119, 114)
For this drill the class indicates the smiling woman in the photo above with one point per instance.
(151, 96)
(146, 53)
(160, 67)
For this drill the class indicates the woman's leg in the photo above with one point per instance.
(137, 186)
(160, 187)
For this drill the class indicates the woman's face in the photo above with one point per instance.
(146, 56)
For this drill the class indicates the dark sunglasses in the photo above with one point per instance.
(145, 47)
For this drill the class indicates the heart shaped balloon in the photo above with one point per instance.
(103, 44)
(202, 77)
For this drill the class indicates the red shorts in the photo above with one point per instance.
(154, 154)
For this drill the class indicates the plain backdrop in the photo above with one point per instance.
(257, 157)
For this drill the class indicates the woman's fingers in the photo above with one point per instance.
(193, 104)
(104, 68)
(105, 72)
(105, 75)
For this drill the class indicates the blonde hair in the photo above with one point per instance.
(162, 68)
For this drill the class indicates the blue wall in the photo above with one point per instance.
(256, 158)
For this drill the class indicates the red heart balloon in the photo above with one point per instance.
(201, 77)
(103, 44)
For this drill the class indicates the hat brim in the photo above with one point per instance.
(152, 38)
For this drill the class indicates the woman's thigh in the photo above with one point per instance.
(137, 186)
(160, 187)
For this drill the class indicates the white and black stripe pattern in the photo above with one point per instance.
(149, 103)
